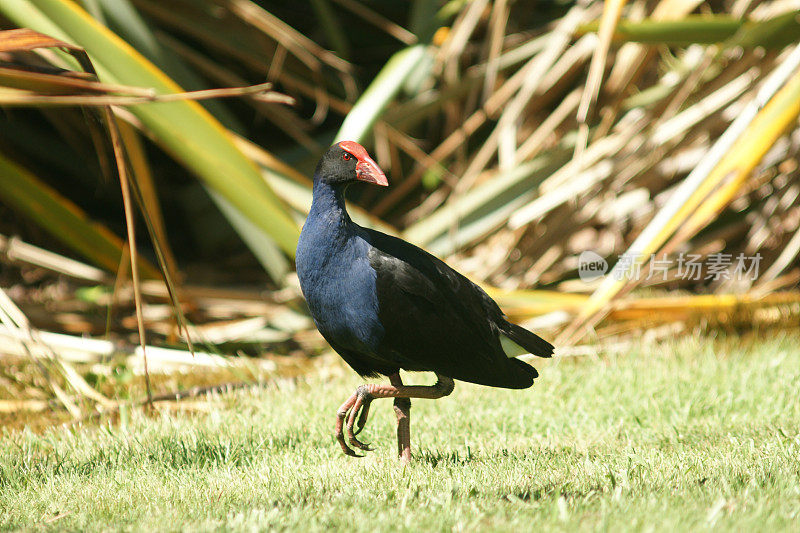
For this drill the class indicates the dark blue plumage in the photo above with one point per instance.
(385, 305)
(335, 274)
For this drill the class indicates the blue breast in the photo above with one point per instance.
(337, 279)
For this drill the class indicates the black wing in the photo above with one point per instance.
(437, 320)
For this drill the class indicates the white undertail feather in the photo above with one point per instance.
(511, 348)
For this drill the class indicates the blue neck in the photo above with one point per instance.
(328, 203)
(335, 274)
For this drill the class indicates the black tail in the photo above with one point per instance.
(530, 341)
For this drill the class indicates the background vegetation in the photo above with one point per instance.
(155, 163)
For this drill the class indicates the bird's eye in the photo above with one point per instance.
(346, 156)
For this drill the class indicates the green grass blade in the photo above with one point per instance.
(184, 129)
(380, 92)
(483, 207)
(259, 243)
(126, 21)
(689, 30)
(28, 195)
(776, 32)
(332, 27)
(136, 32)
(27, 15)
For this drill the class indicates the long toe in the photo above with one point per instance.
(362, 419)
(345, 448)
(341, 415)
(362, 402)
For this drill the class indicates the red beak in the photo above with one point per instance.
(367, 170)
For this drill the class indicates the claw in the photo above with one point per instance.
(340, 438)
(341, 414)
(361, 446)
(347, 450)
(362, 420)
(363, 400)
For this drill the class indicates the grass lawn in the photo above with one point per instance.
(694, 435)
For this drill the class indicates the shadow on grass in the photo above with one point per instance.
(436, 458)
(454, 458)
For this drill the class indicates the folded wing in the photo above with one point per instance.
(436, 319)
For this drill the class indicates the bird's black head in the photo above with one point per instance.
(348, 161)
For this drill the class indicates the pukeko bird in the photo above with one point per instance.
(385, 305)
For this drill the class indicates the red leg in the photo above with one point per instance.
(362, 398)
(402, 409)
